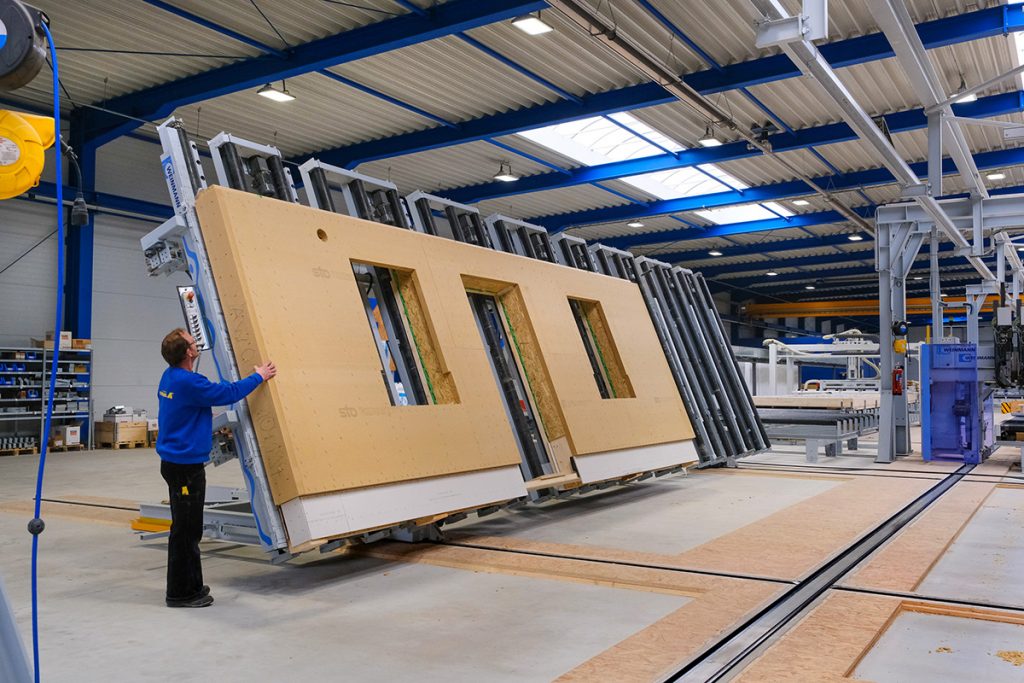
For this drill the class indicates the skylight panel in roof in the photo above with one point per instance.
(618, 137)
(592, 141)
(641, 128)
(683, 182)
(744, 213)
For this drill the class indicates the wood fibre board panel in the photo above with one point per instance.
(326, 424)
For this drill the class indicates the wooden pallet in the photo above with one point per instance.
(68, 447)
(19, 451)
(121, 444)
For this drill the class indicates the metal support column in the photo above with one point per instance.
(79, 259)
(935, 286)
(887, 424)
(935, 154)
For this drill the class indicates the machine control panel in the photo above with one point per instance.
(954, 356)
(193, 316)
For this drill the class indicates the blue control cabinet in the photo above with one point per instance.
(956, 409)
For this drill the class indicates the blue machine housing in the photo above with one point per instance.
(956, 410)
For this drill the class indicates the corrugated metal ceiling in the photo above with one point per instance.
(449, 78)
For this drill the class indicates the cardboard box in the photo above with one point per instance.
(81, 344)
(65, 339)
(67, 435)
(153, 425)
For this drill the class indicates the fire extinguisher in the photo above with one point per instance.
(897, 381)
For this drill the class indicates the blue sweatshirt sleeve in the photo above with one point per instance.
(203, 392)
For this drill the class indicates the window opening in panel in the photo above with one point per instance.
(500, 343)
(605, 362)
(401, 370)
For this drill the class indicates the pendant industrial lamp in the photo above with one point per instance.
(709, 139)
(505, 173)
(276, 94)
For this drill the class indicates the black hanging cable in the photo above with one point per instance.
(30, 250)
(270, 24)
(149, 53)
(362, 7)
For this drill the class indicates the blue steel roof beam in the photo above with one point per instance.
(965, 27)
(105, 201)
(914, 119)
(252, 42)
(787, 279)
(763, 225)
(760, 248)
(765, 193)
(391, 34)
(851, 288)
(797, 262)
(727, 229)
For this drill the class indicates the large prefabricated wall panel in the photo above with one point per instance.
(325, 424)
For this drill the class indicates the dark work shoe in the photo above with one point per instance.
(206, 591)
(201, 601)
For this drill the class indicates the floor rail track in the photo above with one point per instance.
(727, 657)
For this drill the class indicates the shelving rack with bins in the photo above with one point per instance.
(30, 385)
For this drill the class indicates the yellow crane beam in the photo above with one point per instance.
(854, 307)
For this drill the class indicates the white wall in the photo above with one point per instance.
(28, 289)
(131, 314)
(131, 168)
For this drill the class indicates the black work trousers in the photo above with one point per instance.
(186, 485)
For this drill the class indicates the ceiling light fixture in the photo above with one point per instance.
(715, 252)
(918, 277)
(532, 24)
(771, 273)
(277, 94)
(996, 176)
(505, 173)
(800, 202)
(709, 139)
(968, 98)
(855, 237)
(634, 224)
(809, 287)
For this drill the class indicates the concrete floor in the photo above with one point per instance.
(102, 617)
(931, 647)
(984, 562)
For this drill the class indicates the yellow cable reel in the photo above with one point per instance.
(24, 138)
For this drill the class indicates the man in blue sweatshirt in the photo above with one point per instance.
(186, 437)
